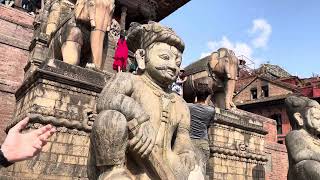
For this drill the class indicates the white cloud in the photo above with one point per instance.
(239, 48)
(263, 30)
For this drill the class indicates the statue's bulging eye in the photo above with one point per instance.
(164, 57)
(178, 63)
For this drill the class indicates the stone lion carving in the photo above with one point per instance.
(219, 71)
(142, 129)
(81, 31)
(303, 143)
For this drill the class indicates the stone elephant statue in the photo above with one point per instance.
(81, 31)
(219, 71)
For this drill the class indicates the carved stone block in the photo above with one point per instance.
(65, 96)
(236, 146)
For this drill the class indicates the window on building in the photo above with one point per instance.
(265, 91)
(280, 142)
(277, 118)
(254, 93)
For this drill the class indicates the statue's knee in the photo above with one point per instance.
(308, 170)
(110, 118)
(109, 138)
(112, 123)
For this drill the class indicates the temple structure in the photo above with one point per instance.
(65, 95)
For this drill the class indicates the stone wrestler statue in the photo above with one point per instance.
(303, 143)
(142, 129)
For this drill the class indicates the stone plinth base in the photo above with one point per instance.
(236, 146)
(65, 96)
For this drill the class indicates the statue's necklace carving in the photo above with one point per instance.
(166, 100)
(157, 90)
(313, 138)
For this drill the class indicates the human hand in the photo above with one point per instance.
(18, 146)
(188, 160)
(143, 139)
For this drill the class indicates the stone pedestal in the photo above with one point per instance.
(65, 96)
(236, 146)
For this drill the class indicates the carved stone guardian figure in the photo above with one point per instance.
(303, 143)
(80, 32)
(224, 65)
(219, 71)
(142, 129)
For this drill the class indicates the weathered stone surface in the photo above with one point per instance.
(303, 142)
(60, 94)
(131, 105)
(237, 146)
(60, 90)
(78, 35)
(236, 136)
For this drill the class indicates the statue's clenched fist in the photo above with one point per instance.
(142, 136)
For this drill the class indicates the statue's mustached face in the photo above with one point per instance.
(163, 62)
(167, 71)
(313, 119)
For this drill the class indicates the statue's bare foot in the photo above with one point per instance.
(233, 106)
(90, 66)
(93, 67)
(117, 173)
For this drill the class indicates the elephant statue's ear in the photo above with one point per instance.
(215, 55)
(213, 60)
(222, 52)
(140, 58)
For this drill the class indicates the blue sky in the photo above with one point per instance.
(282, 32)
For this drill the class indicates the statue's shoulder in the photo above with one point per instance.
(178, 98)
(295, 136)
(124, 77)
(181, 102)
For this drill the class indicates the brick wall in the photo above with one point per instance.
(15, 37)
(242, 82)
(277, 165)
(268, 111)
(225, 166)
(6, 110)
(245, 95)
(275, 90)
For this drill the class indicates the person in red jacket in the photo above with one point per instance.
(121, 54)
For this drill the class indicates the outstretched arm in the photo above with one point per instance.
(21, 146)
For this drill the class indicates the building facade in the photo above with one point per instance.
(264, 90)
